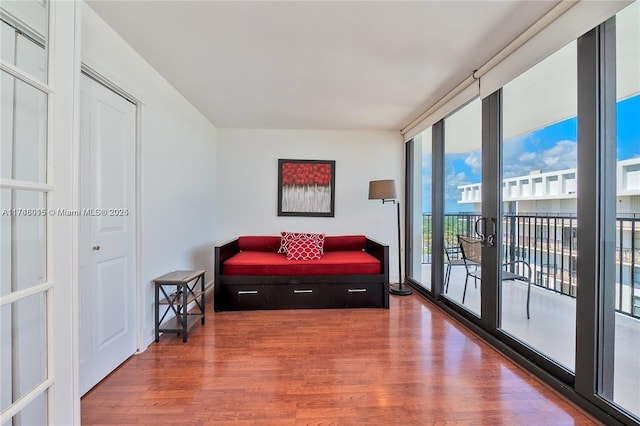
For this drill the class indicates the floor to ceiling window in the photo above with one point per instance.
(536, 156)
(626, 303)
(419, 267)
(462, 200)
(25, 287)
(539, 204)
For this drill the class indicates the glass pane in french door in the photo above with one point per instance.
(539, 212)
(24, 29)
(23, 356)
(35, 413)
(462, 201)
(626, 378)
(23, 126)
(23, 252)
(420, 262)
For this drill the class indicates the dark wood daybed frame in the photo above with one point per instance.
(248, 292)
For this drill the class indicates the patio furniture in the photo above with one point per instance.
(471, 249)
(454, 258)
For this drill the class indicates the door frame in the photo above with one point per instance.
(90, 71)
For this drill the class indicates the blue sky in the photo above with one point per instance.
(547, 149)
(629, 128)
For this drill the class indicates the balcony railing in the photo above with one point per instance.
(548, 243)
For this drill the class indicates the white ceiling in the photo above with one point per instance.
(361, 65)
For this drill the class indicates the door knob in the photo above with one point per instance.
(96, 248)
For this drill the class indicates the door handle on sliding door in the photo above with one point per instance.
(486, 233)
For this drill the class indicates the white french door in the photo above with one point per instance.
(106, 244)
(26, 287)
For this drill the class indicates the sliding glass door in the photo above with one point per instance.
(420, 245)
(462, 202)
(535, 195)
(624, 282)
(538, 217)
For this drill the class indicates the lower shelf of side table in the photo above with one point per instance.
(174, 325)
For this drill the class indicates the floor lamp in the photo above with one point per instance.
(385, 190)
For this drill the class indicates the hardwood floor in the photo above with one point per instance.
(409, 365)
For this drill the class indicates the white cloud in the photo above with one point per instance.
(456, 179)
(527, 157)
(520, 160)
(474, 160)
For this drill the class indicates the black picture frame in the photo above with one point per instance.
(306, 188)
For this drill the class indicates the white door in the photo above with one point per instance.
(106, 248)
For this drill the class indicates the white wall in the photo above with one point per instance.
(248, 182)
(177, 164)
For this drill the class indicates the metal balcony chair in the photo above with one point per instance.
(454, 258)
(471, 249)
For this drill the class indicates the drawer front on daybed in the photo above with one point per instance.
(274, 296)
(300, 296)
(246, 297)
(356, 295)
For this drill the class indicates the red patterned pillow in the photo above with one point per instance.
(303, 249)
(287, 237)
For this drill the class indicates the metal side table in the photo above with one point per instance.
(180, 289)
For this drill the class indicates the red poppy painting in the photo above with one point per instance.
(306, 187)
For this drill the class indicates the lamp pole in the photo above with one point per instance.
(385, 190)
(400, 290)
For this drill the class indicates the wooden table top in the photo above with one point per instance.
(178, 277)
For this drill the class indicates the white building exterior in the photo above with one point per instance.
(555, 192)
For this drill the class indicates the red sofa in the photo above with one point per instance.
(352, 272)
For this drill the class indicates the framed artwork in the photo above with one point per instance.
(306, 188)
